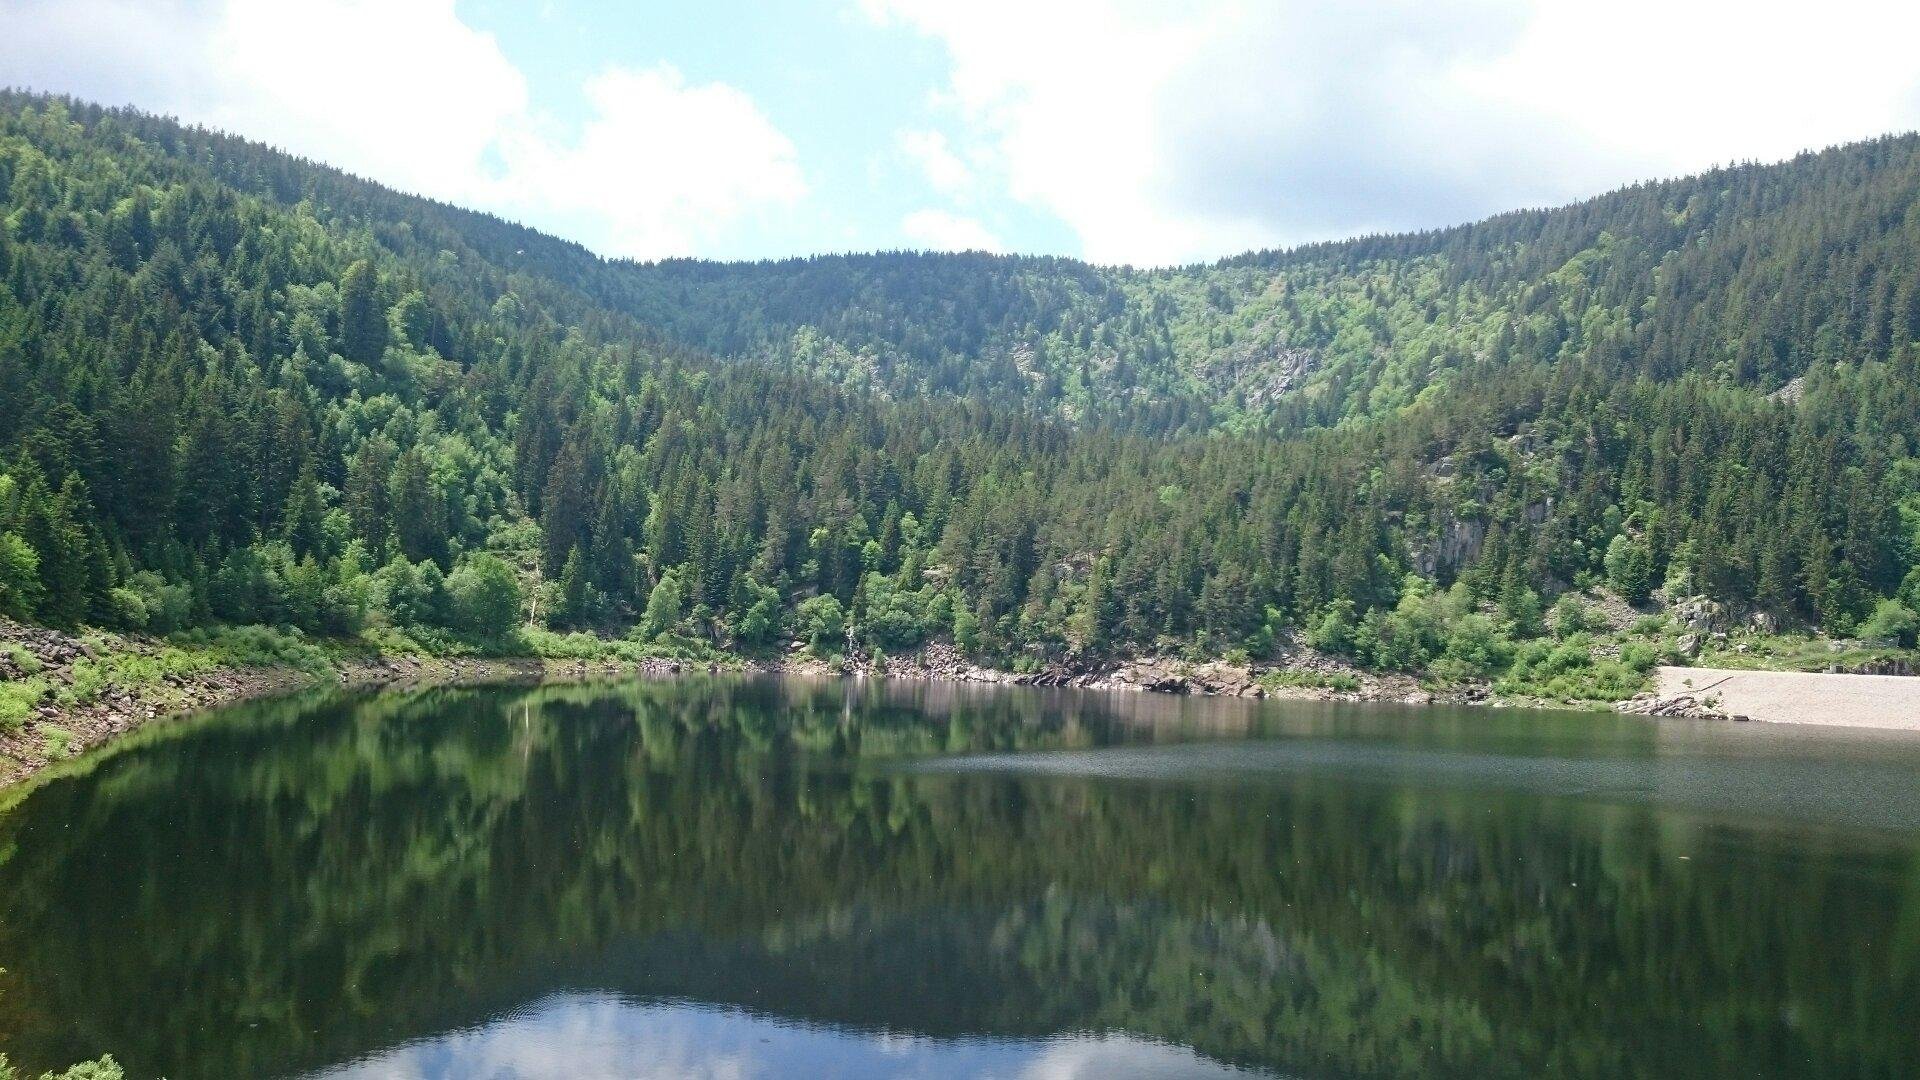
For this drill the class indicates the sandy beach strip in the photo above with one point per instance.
(1803, 697)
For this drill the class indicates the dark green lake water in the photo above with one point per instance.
(754, 877)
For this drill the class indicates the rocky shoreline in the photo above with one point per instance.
(58, 730)
(117, 710)
(1313, 676)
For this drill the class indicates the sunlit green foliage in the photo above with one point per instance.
(103, 1069)
(239, 388)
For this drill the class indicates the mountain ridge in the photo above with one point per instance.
(1203, 349)
(236, 387)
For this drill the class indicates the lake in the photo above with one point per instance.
(744, 876)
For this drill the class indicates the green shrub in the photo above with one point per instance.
(1521, 607)
(1343, 681)
(393, 641)
(666, 604)
(1567, 671)
(23, 661)
(1892, 623)
(675, 647)
(21, 593)
(149, 602)
(1571, 616)
(56, 741)
(1335, 628)
(1476, 649)
(820, 621)
(760, 623)
(100, 1069)
(1629, 565)
(1639, 656)
(899, 618)
(966, 629)
(244, 646)
(17, 702)
(411, 595)
(578, 645)
(1909, 592)
(486, 596)
(1403, 640)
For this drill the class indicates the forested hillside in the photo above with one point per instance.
(236, 387)
(1748, 275)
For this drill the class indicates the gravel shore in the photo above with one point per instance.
(1889, 702)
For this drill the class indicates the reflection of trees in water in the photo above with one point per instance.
(297, 884)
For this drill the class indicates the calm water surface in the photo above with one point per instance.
(755, 877)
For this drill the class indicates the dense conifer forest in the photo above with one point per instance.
(237, 387)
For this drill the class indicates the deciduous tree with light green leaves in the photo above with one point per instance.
(486, 596)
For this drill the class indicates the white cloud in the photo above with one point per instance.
(938, 230)
(1715, 81)
(404, 92)
(930, 151)
(1156, 132)
(1060, 91)
(1163, 133)
(664, 164)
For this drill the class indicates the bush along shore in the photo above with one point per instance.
(100, 1069)
(62, 693)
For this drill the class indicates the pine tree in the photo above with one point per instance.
(363, 324)
(420, 523)
(300, 524)
(63, 551)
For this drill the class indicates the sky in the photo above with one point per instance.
(605, 1035)
(1119, 131)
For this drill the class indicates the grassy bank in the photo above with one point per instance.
(61, 693)
(103, 664)
(44, 673)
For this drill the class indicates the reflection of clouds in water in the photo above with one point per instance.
(1086, 1057)
(602, 1037)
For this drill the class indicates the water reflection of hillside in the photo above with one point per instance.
(305, 884)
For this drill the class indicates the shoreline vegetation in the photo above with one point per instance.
(264, 425)
(62, 694)
(104, 1068)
